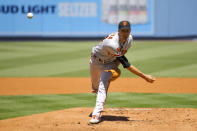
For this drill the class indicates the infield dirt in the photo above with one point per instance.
(140, 119)
(21, 86)
(114, 119)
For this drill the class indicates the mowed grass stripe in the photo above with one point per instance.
(11, 51)
(137, 53)
(47, 64)
(81, 72)
(143, 45)
(22, 54)
(152, 100)
(168, 62)
(47, 69)
(183, 71)
(46, 58)
(14, 106)
(150, 57)
(46, 44)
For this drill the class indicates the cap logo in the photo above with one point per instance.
(124, 23)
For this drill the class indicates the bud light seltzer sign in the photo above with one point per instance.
(74, 18)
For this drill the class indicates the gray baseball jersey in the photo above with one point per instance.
(107, 50)
(110, 48)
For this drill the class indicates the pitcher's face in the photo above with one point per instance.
(124, 34)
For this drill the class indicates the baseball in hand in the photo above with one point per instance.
(30, 15)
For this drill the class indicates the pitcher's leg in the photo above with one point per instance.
(102, 93)
(95, 73)
(103, 87)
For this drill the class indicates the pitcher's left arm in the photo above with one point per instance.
(124, 61)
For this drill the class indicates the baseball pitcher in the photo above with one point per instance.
(104, 62)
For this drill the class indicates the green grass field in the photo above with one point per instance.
(70, 59)
(65, 59)
(13, 106)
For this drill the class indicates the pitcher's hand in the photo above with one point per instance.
(149, 78)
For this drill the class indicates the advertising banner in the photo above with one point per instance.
(74, 18)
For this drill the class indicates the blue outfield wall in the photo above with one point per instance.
(175, 18)
(97, 18)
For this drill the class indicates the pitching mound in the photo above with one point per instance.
(153, 119)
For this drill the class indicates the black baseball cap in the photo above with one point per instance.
(124, 25)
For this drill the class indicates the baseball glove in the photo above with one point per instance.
(115, 73)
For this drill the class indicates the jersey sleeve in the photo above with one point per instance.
(124, 61)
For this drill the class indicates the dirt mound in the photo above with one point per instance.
(113, 119)
(153, 119)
